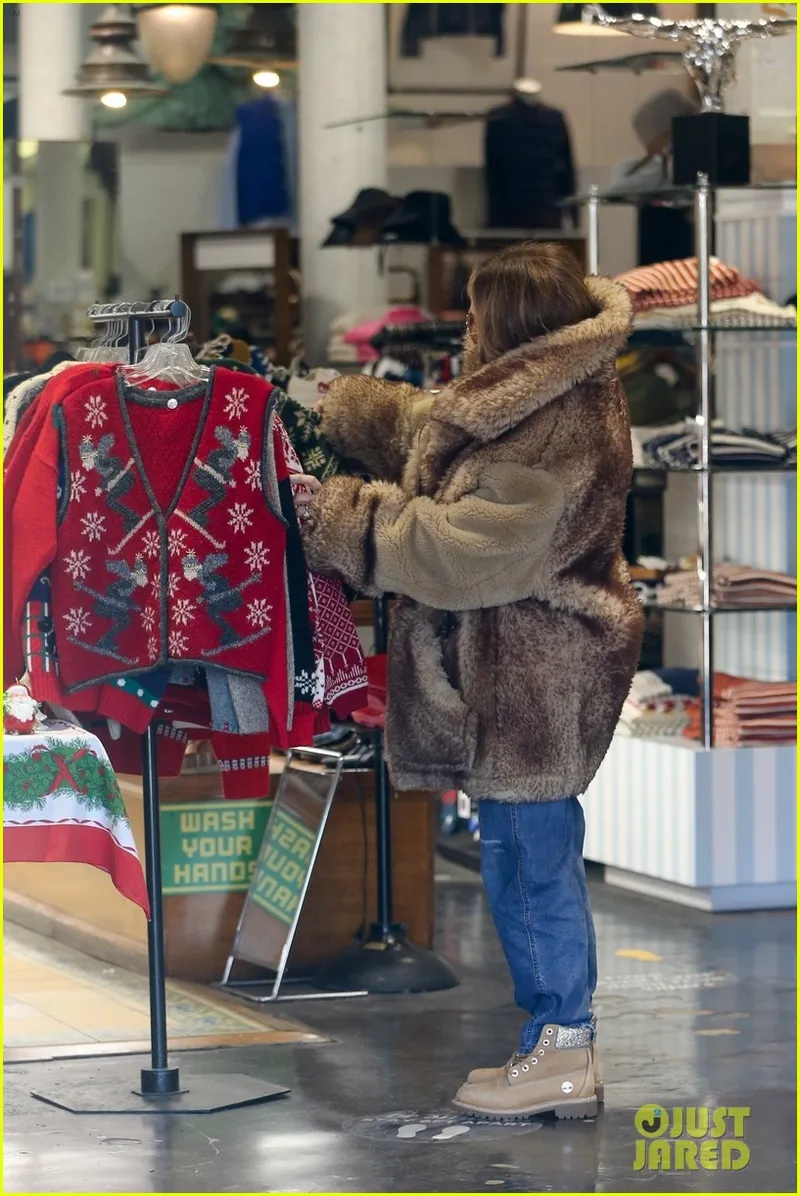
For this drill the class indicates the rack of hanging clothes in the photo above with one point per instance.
(155, 580)
(427, 354)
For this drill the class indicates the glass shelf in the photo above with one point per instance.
(672, 196)
(666, 61)
(678, 609)
(728, 470)
(652, 329)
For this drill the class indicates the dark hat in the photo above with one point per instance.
(363, 220)
(652, 120)
(423, 218)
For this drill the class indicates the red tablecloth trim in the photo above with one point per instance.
(70, 843)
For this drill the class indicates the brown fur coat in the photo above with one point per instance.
(500, 525)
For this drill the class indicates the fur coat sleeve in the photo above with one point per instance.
(374, 422)
(482, 550)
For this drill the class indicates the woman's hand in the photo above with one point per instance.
(304, 488)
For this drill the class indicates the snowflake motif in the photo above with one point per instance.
(77, 620)
(241, 517)
(315, 459)
(77, 486)
(77, 564)
(95, 411)
(148, 618)
(176, 541)
(94, 525)
(155, 586)
(256, 555)
(258, 612)
(183, 612)
(178, 643)
(305, 683)
(152, 648)
(236, 403)
(253, 478)
(151, 544)
(173, 581)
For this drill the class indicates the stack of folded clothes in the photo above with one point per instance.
(653, 708)
(665, 295)
(748, 712)
(732, 585)
(351, 335)
(676, 446)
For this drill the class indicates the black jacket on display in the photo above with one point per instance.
(529, 166)
(451, 20)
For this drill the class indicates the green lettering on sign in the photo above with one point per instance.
(211, 847)
(281, 872)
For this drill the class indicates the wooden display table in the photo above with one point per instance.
(205, 858)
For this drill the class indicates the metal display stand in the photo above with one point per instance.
(701, 198)
(262, 938)
(160, 1089)
(385, 961)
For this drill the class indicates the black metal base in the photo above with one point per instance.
(388, 964)
(199, 1094)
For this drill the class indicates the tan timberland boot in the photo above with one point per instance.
(481, 1074)
(557, 1077)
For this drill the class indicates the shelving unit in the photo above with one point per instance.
(693, 822)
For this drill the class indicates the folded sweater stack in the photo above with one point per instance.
(733, 585)
(652, 708)
(747, 712)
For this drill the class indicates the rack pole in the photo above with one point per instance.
(159, 1079)
(593, 212)
(383, 813)
(702, 220)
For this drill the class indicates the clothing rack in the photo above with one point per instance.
(160, 1089)
(385, 961)
(446, 335)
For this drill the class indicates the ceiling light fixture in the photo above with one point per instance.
(177, 38)
(576, 19)
(112, 67)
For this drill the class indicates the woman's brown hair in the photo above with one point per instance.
(526, 291)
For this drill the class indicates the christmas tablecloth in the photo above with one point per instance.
(62, 803)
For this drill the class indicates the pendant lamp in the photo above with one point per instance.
(265, 45)
(177, 38)
(571, 18)
(113, 71)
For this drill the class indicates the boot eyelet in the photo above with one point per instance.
(541, 1052)
(515, 1072)
(534, 1061)
(525, 1067)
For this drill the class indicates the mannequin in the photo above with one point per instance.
(528, 159)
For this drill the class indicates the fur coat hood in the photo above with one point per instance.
(496, 516)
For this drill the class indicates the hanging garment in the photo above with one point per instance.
(258, 153)
(296, 649)
(165, 528)
(423, 21)
(529, 167)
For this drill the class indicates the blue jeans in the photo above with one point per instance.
(532, 865)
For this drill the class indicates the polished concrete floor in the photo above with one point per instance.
(694, 1009)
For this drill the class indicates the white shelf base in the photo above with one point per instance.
(714, 830)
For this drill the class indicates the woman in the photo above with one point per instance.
(497, 518)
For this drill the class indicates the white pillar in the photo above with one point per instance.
(342, 56)
(51, 48)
